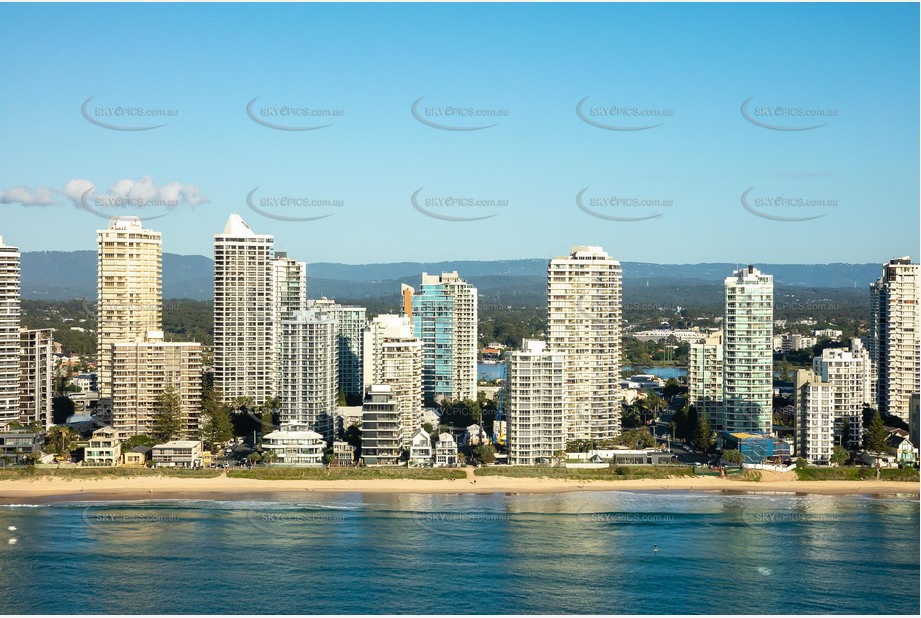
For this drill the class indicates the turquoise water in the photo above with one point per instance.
(581, 552)
(663, 372)
(490, 372)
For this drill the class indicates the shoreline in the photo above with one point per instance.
(47, 489)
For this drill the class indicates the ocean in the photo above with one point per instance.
(578, 552)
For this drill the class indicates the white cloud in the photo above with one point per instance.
(40, 196)
(137, 193)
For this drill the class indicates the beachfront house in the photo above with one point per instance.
(343, 453)
(104, 448)
(20, 445)
(901, 447)
(445, 450)
(294, 444)
(420, 449)
(137, 456)
(178, 454)
(475, 436)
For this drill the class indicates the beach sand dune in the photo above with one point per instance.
(223, 487)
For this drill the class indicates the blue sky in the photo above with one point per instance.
(855, 63)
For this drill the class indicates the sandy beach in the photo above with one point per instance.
(223, 487)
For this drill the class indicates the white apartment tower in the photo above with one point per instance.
(143, 370)
(9, 333)
(393, 357)
(705, 380)
(535, 404)
(244, 313)
(584, 323)
(351, 322)
(814, 401)
(289, 285)
(748, 360)
(129, 289)
(895, 336)
(309, 371)
(444, 318)
(848, 374)
(36, 376)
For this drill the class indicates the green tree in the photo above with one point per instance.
(484, 453)
(672, 388)
(702, 437)
(428, 428)
(839, 455)
(167, 420)
(61, 441)
(138, 440)
(636, 439)
(352, 435)
(801, 463)
(267, 421)
(253, 457)
(734, 457)
(845, 433)
(877, 435)
(216, 420)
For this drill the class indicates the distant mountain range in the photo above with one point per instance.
(60, 275)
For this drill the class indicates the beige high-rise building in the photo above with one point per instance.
(535, 404)
(848, 374)
(9, 333)
(142, 371)
(244, 313)
(705, 379)
(36, 376)
(129, 289)
(393, 356)
(895, 336)
(814, 401)
(289, 281)
(584, 323)
(748, 343)
(309, 370)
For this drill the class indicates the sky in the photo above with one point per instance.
(669, 133)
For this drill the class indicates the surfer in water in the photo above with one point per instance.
(655, 548)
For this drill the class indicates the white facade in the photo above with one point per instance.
(815, 417)
(294, 444)
(393, 356)
(289, 286)
(584, 323)
(178, 454)
(244, 313)
(444, 318)
(142, 371)
(705, 380)
(536, 403)
(309, 371)
(848, 373)
(9, 334)
(351, 322)
(748, 361)
(129, 289)
(104, 448)
(36, 376)
(895, 329)
(446, 450)
(420, 449)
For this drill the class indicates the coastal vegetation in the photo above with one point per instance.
(856, 473)
(347, 474)
(587, 474)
